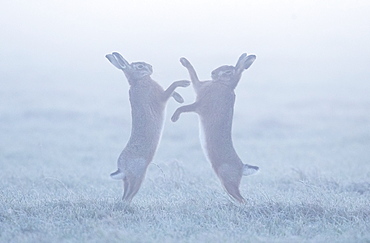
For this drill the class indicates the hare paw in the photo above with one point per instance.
(183, 83)
(175, 116)
(184, 62)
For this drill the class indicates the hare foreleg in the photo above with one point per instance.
(170, 91)
(193, 74)
(181, 109)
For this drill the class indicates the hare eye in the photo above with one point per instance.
(228, 72)
(140, 66)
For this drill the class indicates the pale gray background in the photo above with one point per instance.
(302, 114)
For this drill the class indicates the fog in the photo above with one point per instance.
(302, 114)
(300, 41)
(312, 58)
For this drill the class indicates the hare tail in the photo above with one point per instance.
(249, 170)
(117, 175)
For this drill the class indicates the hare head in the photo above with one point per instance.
(133, 71)
(230, 75)
(223, 73)
(139, 70)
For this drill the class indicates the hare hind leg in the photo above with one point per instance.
(135, 174)
(133, 188)
(126, 190)
(234, 192)
(230, 178)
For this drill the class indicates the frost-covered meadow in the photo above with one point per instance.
(58, 148)
(302, 115)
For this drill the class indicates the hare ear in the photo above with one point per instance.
(122, 62)
(113, 60)
(240, 60)
(249, 61)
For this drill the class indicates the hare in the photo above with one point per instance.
(148, 102)
(215, 106)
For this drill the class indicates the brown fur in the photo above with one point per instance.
(148, 102)
(215, 106)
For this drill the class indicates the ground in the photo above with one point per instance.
(58, 147)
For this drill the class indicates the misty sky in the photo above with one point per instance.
(60, 43)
